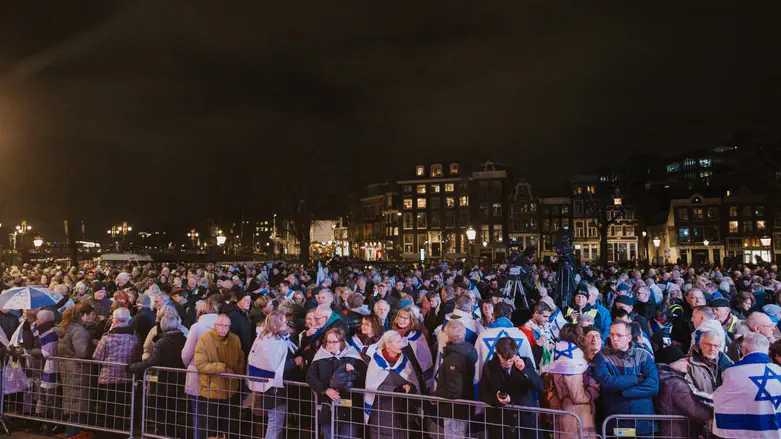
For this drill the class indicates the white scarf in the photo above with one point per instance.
(347, 352)
(568, 359)
(267, 360)
(378, 370)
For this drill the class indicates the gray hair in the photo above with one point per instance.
(455, 331)
(123, 276)
(449, 292)
(755, 342)
(380, 302)
(711, 333)
(121, 315)
(464, 303)
(706, 312)
(169, 323)
(45, 315)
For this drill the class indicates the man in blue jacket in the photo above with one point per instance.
(628, 379)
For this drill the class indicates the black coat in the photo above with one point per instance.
(353, 321)
(446, 308)
(455, 380)
(241, 325)
(520, 386)
(143, 322)
(319, 379)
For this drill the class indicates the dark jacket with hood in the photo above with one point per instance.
(521, 386)
(456, 379)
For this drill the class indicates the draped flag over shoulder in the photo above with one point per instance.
(568, 359)
(356, 342)
(747, 403)
(321, 273)
(348, 352)
(378, 370)
(267, 360)
(473, 330)
(486, 343)
(422, 352)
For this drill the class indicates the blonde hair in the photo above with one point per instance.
(275, 326)
(208, 306)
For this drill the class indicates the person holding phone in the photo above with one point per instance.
(508, 379)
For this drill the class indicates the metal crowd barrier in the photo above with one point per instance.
(647, 426)
(399, 415)
(68, 392)
(224, 406)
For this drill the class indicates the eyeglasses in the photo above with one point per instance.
(333, 342)
(221, 326)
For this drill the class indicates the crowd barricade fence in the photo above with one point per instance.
(646, 426)
(225, 406)
(76, 393)
(402, 415)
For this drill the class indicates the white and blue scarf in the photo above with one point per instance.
(378, 370)
(473, 330)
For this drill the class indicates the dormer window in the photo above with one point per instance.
(420, 170)
(436, 170)
(454, 169)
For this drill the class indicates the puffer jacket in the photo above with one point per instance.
(676, 398)
(628, 382)
(215, 355)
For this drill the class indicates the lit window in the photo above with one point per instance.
(733, 227)
(436, 170)
(435, 188)
(454, 169)
(463, 201)
(733, 210)
(408, 203)
(760, 226)
(420, 170)
(449, 187)
(421, 189)
(421, 203)
(705, 163)
(450, 202)
(683, 234)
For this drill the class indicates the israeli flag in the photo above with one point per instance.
(486, 343)
(557, 321)
(473, 330)
(747, 403)
(417, 342)
(356, 342)
(321, 273)
(378, 370)
(267, 360)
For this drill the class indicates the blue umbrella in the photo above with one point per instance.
(30, 297)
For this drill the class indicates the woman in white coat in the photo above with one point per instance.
(207, 316)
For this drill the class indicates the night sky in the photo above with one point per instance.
(163, 113)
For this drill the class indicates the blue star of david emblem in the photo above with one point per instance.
(490, 342)
(763, 394)
(565, 353)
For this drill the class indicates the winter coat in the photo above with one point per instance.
(241, 326)
(167, 353)
(675, 397)
(628, 382)
(521, 386)
(213, 355)
(204, 324)
(706, 378)
(9, 321)
(143, 322)
(354, 318)
(319, 378)
(153, 336)
(120, 345)
(456, 380)
(74, 342)
(578, 397)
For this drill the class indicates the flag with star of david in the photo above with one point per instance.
(486, 345)
(748, 403)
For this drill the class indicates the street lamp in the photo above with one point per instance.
(765, 240)
(221, 240)
(471, 234)
(657, 242)
(37, 242)
(706, 242)
(193, 235)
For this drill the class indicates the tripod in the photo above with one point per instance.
(514, 293)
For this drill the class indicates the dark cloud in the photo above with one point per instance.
(161, 112)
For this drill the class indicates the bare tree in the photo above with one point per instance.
(604, 210)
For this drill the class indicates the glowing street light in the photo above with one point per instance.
(706, 242)
(471, 234)
(765, 240)
(657, 242)
(38, 241)
(221, 240)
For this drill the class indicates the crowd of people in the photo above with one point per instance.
(704, 343)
